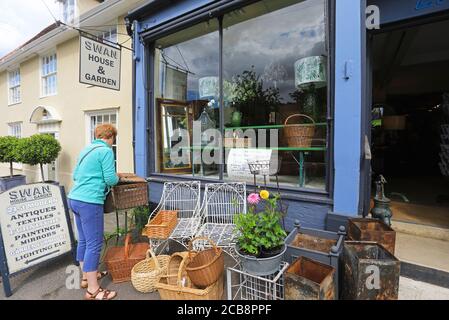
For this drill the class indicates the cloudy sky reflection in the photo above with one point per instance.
(272, 43)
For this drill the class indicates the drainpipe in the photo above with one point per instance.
(131, 33)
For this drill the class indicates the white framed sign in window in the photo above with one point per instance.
(238, 163)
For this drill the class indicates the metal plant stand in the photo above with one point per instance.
(244, 286)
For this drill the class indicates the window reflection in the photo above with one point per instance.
(274, 78)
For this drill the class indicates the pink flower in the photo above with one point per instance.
(253, 198)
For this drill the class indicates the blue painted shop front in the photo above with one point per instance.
(164, 29)
(317, 208)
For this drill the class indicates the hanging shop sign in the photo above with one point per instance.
(99, 64)
(35, 227)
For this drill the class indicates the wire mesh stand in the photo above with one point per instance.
(262, 168)
(244, 286)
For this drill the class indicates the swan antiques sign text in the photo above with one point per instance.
(35, 227)
(99, 64)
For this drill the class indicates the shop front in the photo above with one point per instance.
(220, 84)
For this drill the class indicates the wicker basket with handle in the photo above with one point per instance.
(177, 261)
(120, 260)
(207, 266)
(146, 273)
(181, 288)
(162, 225)
(299, 135)
(130, 195)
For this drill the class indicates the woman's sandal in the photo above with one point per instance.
(106, 295)
(100, 275)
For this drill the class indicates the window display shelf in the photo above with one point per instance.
(275, 149)
(277, 126)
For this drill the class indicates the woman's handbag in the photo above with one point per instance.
(108, 206)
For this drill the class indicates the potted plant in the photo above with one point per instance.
(260, 236)
(39, 149)
(253, 103)
(8, 154)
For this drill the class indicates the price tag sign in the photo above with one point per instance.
(238, 159)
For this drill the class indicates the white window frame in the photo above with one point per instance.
(106, 34)
(17, 86)
(11, 127)
(89, 129)
(69, 19)
(43, 76)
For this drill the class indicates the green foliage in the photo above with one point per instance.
(251, 99)
(8, 149)
(39, 149)
(141, 215)
(248, 240)
(260, 230)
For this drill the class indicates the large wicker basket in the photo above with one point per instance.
(299, 135)
(130, 195)
(146, 273)
(205, 267)
(162, 225)
(120, 260)
(179, 287)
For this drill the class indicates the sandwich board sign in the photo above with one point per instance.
(99, 64)
(34, 228)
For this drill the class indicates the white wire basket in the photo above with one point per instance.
(244, 286)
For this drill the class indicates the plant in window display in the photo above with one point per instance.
(252, 100)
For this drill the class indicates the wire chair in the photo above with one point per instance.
(183, 197)
(221, 203)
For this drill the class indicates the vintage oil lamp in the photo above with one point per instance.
(381, 209)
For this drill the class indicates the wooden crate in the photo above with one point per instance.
(372, 230)
(371, 272)
(307, 279)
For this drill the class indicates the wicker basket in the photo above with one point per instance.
(162, 225)
(177, 261)
(127, 196)
(207, 266)
(179, 287)
(299, 135)
(120, 260)
(146, 273)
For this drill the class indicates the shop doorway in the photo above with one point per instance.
(410, 122)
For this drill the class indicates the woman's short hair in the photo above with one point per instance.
(105, 131)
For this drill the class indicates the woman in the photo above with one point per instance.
(93, 176)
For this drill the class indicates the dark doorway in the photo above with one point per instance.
(410, 127)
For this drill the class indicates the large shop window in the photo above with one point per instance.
(274, 95)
